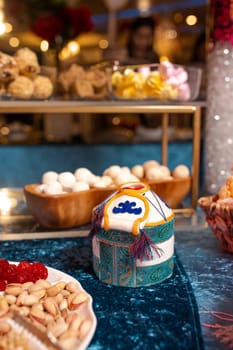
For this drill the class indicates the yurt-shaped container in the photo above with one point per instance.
(133, 237)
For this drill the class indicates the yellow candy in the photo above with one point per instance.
(166, 92)
(131, 84)
(129, 92)
(116, 78)
(229, 181)
(154, 80)
(230, 186)
(224, 192)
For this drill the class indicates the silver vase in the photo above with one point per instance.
(218, 157)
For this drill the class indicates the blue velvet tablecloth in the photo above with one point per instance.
(160, 317)
(210, 270)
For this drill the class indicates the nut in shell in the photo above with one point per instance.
(13, 289)
(51, 306)
(4, 307)
(4, 327)
(76, 299)
(37, 314)
(55, 289)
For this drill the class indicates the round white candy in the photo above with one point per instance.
(100, 184)
(133, 178)
(80, 186)
(125, 170)
(48, 177)
(112, 171)
(53, 188)
(67, 180)
(150, 163)
(154, 173)
(165, 171)
(83, 174)
(122, 178)
(181, 171)
(93, 179)
(138, 171)
(40, 188)
(107, 180)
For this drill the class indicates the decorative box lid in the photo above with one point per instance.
(134, 206)
(130, 209)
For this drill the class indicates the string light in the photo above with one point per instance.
(4, 27)
(143, 5)
(8, 27)
(6, 203)
(14, 42)
(103, 44)
(64, 54)
(73, 47)
(44, 45)
(191, 20)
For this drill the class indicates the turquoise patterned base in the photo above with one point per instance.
(114, 265)
(126, 276)
(157, 234)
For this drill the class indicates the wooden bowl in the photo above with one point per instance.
(74, 209)
(171, 191)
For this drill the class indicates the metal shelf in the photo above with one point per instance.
(124, 107)
(71, 106)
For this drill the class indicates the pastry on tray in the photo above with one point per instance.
(27, 62)
(88, 83)
(21, 88)
(19, 76)
(218, 210)
(8, 68)
(84, 88)
(42, 87)
(67, 78)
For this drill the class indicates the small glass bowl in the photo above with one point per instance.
(159, 82)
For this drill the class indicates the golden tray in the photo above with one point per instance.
(74, 209)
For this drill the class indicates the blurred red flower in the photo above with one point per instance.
(67, 23)
(222, 11)
(48, 27)
(79, 19)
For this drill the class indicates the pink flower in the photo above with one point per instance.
(184, 92)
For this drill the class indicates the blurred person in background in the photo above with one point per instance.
(141, 41)
(139, 48)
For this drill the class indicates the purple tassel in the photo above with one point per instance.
(143, 246)
(96, 220)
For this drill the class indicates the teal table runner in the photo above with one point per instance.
(159, 317)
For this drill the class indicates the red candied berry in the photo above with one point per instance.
(39, 271)
(3, 267)
(11, 273)
(24, 265)
(3, 263)
(3, 284)
(24, 272)
(24, 276)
